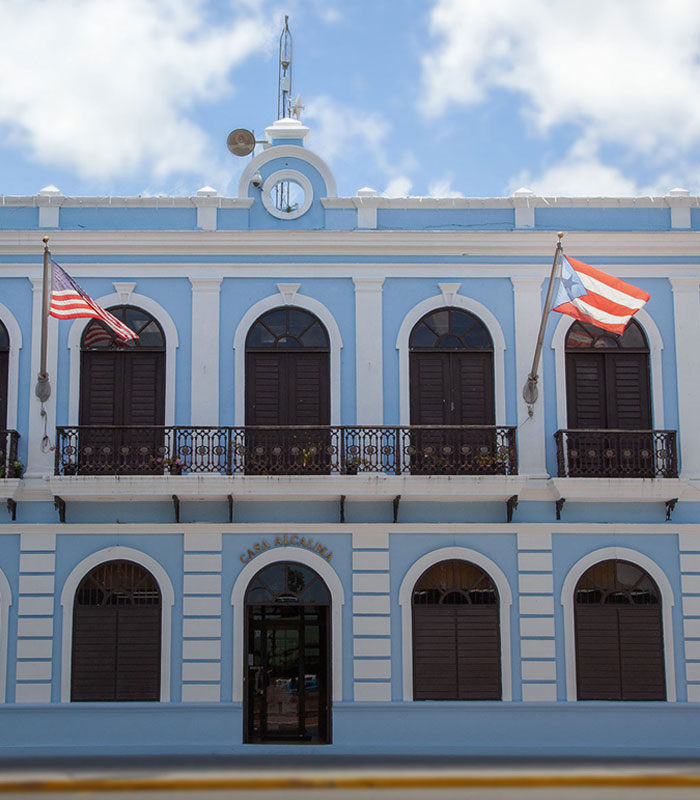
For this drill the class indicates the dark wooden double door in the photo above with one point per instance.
(286, 674)
(607, 395)
(118, 390)
(451, 389)
(283, 390)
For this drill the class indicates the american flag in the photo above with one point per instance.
(69, 301)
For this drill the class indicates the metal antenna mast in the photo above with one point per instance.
(284, 87)
(284, 103)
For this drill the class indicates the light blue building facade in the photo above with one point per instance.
(365, 508)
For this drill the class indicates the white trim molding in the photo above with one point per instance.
(283, 151)
(5, 603)
(171, 344)
(468, 304)
(667, 602)
(14, 333)
(68, 599)
(656, 346)
(287, 175)
(335, 587)
(505, 601)
(248, 320)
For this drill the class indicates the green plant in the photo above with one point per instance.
(12, 470)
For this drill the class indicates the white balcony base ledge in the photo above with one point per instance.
(615, 490)
(9, 488)
(367, 487)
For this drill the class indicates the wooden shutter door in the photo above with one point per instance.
(100, 377)
(642, 672)
(628, 391)
(430, 388)
(478, 652)
(472, 389)
(143, 395)
(434, 653)
(94, 653)
(138, 653)
(597, 653)
(585, 390)
(309, 388)
(266, 387)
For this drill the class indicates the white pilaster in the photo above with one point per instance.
(49, 201)
(40, 463)
(686, 318)
(680, 201)
(524, 208)
(367, 203)
(35, 618)
(207, 202)
(368, 355)
(527, 291)
(536, 608)
(201, 619)
(205, 351)
(371, 617)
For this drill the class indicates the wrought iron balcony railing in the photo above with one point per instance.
(10, 466)
(616, 454)
(292, 450)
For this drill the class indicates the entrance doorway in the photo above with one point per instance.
(287, 668)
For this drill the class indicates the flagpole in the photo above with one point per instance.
(43, 387)
(530, 388)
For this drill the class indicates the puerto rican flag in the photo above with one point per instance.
(590, 295)
(69, 301)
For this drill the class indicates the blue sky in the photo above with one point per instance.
(420, 97)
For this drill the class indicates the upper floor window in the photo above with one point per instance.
(607, 378)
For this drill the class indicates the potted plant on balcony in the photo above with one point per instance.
(170, 465)
(14, 469)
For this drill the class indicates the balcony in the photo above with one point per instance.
(616, 454)
(277, 450)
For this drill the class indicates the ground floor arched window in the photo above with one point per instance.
(116, 634)
(619, 634)
(456, 634)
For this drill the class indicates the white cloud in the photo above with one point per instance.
(624, 72)
(400, 186)
(105, 87)
(442, 187)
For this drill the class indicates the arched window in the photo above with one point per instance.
(607, 378)
(451, 379)
(122, 384)
(287, 659)
(116, 634)
(619, 634)
(456, 634)
(4, 369)
(287, 383)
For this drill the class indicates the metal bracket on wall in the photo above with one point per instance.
(670, 505)
(511, 505)
(559, 505)
(230, 508)
(12, 508)
(60, 505)
(176, 506)
(342, 508)
(397, 500)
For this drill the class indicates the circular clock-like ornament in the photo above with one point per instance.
(287, 194)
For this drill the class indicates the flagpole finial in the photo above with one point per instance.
(560, 235)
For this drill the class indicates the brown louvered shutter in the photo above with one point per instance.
(472, 388)
(619, 653)
(628, 382)
(265, 389)
(94, 653)
(143, 395)
(430, 388)
(309, 389)
(585, 390)
(434, 653)
(99, 378)
(138, 653)
(457, 652)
